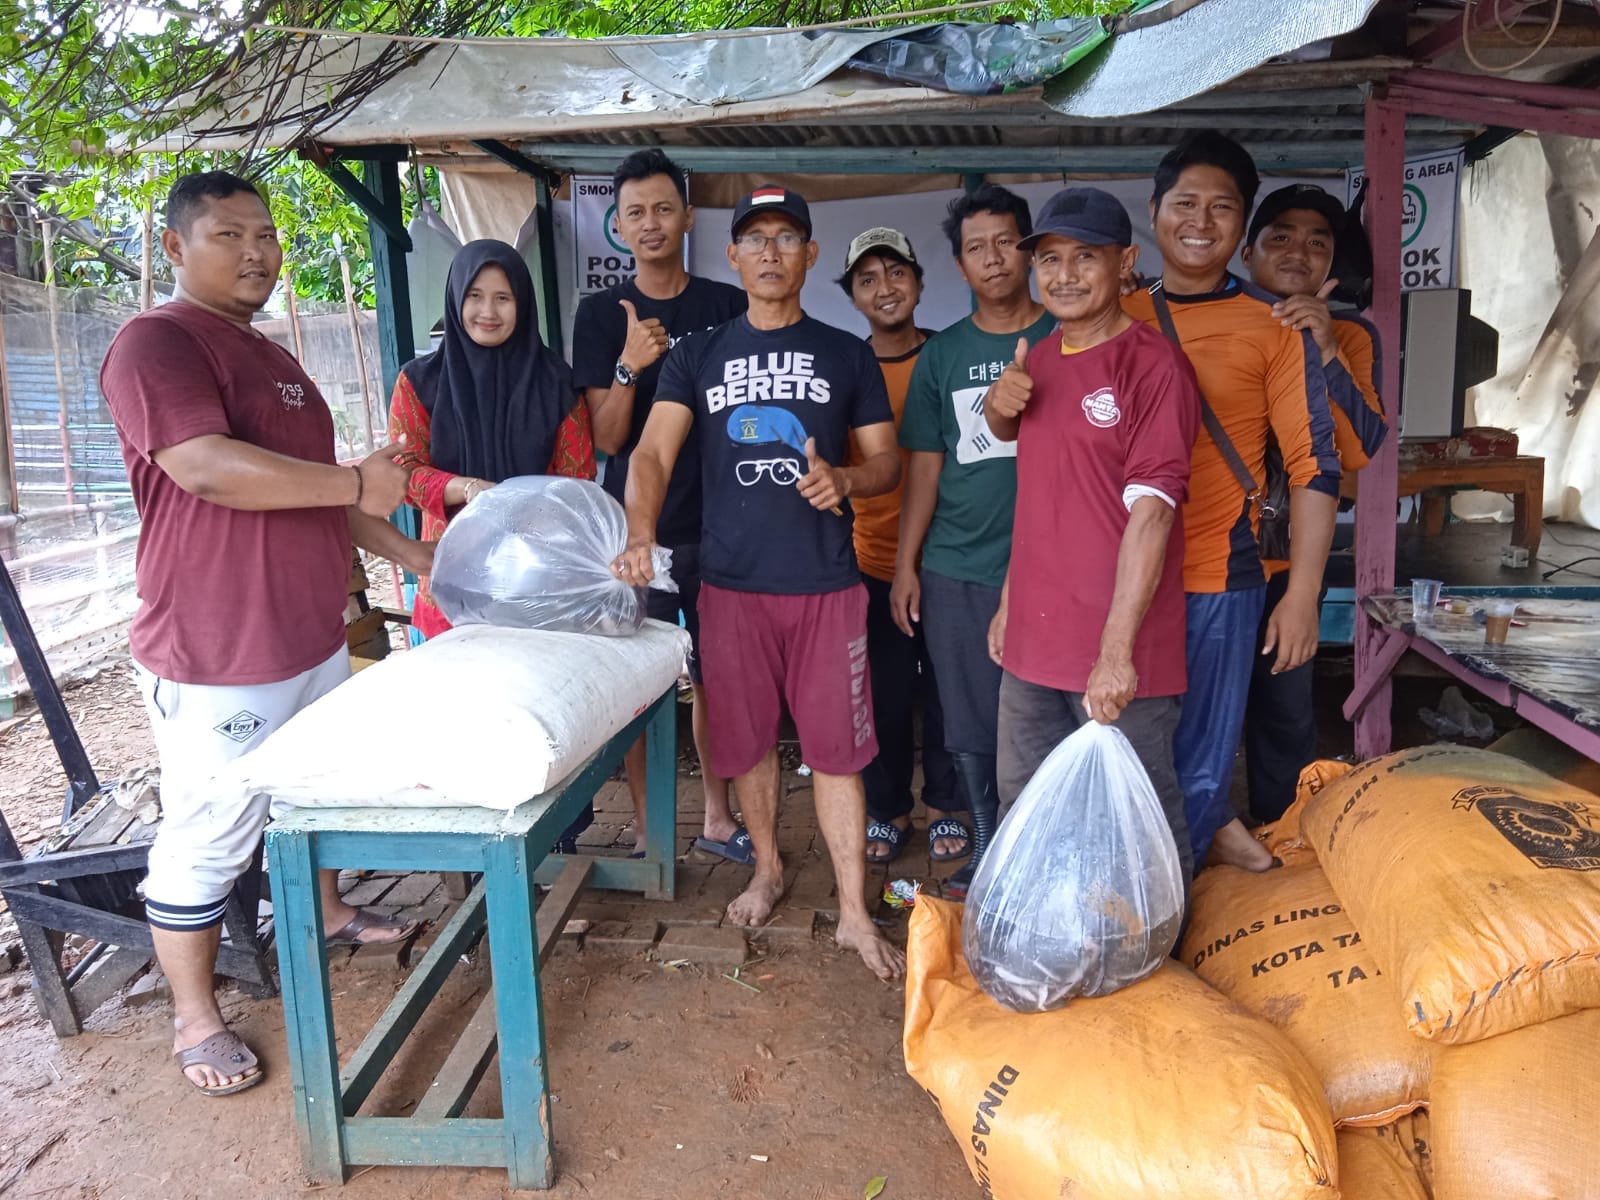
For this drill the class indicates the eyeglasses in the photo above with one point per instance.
(756, 243)
(781, 470)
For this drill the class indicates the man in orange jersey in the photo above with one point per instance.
(1289, 250)
(1259, 380)
(884, 281)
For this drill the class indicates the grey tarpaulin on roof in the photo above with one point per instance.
(982, 60)
(733, 70)
(1213, 42)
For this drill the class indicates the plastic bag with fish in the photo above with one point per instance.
(1081, 892)
(536, 553)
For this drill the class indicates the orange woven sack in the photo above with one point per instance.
(1412, 1135)
(1282, 945)
(1283, 836)
(1475, 880)
(1517, 1117)
(1375, 1168)
(1164, 1089)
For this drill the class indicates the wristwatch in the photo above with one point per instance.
(623, 375)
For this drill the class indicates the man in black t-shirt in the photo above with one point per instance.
(619, 338)
(772, 399)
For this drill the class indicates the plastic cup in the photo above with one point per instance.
(1458, 605)
(1424, 597)
(1497, 621)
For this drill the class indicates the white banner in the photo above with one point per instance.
(1428, 213)
(604, 259)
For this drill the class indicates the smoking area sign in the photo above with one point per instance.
(1428, 205)
(604, 259)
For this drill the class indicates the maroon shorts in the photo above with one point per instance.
(758, 652)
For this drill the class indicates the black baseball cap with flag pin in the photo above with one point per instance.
(770, 198)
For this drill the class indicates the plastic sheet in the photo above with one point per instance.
(981, 60)
(1081, 892)
(536, 553)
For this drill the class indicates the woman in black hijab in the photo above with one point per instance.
(491, 403)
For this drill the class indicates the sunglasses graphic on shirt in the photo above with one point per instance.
(763, 425)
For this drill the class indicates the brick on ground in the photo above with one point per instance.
(386, 956)
(150, 988)
(623, 935)
(370, 890)
(717, 946)
(599, 834)
(414, 890)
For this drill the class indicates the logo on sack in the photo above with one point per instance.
(1101, 409)
(242, 726)
(1551, 836)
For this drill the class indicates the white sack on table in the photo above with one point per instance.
(477, 717)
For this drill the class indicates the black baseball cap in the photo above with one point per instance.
(1085, 214)
(1287, 199)
(769, 198)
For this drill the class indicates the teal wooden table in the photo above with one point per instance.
(509, 851)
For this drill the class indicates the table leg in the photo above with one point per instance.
(1527, 511)
(307, 1005)
(1435, 508)
(524, 1073)
(661, 796)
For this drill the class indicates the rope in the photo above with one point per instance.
(1472, 55)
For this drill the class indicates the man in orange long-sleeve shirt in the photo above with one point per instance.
(1291, 245)
(1259, 379)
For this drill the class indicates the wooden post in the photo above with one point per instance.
(294, 320)
(55, 353)
(361, 359)
(8, 454)
(147, 247)
(395, 346)
(1380, 479)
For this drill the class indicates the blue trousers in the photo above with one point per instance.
(1220, 649)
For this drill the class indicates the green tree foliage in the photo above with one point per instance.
(84, 81)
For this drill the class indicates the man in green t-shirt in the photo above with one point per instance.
(961, 488)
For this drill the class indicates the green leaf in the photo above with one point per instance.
(874, 1187)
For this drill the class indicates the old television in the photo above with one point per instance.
(1444, 350)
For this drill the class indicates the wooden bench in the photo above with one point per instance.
(508, 850)
(1521, 478)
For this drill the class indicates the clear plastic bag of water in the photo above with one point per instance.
(536, 553)
(1081, 893)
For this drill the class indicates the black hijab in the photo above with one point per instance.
(495, 410)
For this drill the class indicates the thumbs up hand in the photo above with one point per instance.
(1008, 396)
(823, 485)
(646, 340)
(1311, 313)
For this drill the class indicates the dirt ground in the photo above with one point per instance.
(666, 1081)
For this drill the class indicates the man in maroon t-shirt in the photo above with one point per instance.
(243, 563)
(1104, 412)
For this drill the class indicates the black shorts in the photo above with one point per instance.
(666, 606)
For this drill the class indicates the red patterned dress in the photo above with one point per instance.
(574, 457)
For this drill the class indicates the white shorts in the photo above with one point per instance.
(205, 844)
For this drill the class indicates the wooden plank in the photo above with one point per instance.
(661, 796)
(414, 1142)
(469, 1059)
(108, 978)
(463, 1070)
(72, 864)
(384, 1040)
(365, 628)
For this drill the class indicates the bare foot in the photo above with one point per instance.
(862, 936)
(187, 1036)
(719, 830)
(755, 904)
(950, 847)
(1235, 846)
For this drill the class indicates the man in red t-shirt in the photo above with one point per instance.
(1104, 412)
(243, 568)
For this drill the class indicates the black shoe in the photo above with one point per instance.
(983, 795)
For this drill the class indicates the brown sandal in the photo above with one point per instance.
(226, 1054)
(349, 934)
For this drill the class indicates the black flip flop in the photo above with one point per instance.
(739, 848)
(949, 827)
(887, 833)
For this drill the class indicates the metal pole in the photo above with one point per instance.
(8, 455)
(147, 247)
(361, 358)
(55, 353)
(1380, 479)
(294, 320)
